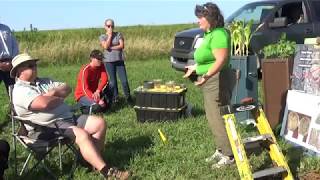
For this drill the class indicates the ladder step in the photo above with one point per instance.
(255, 142)
(235, 108)
(259, 138)
(273, 171)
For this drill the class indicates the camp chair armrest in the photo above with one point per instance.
(44, 123)
(21, 118)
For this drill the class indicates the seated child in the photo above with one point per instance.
(91, 82)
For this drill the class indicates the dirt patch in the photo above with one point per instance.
(311, 176)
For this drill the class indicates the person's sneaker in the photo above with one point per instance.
(114, 173)
(224, 161)
(215, 156)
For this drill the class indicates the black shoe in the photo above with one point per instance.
(129, 100)
(115, 100)
(96, 108)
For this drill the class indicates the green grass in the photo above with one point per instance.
(129, 143)
(73, 46)
(138, 147)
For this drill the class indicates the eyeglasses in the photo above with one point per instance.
(109, 26)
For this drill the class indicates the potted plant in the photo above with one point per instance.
(245, 78)
(240, 37)
(277, 68)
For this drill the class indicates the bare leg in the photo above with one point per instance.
(96, 127)
(88, 149)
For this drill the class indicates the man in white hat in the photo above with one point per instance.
(42, 100)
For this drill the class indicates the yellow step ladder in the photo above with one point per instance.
(266, 140)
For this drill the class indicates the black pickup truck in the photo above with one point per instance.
(299, 19)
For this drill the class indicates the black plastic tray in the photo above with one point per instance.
(159, 114)
(160, 99)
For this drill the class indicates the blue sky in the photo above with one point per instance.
(59, 14)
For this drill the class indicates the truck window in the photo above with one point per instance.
(293, 12)
(255, 12)
(316, 7)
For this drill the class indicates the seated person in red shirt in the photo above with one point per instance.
(92, 79)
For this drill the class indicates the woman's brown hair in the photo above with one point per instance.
(212, 13)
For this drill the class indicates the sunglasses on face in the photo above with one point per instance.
(201, 10)
(109, 26)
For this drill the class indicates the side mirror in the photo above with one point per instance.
(279, 22)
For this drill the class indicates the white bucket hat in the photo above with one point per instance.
(19, 59)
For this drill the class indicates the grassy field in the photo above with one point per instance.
(138, 147)
(73, 46)
(129, 143)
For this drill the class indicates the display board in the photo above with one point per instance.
(306, 69)
(301, 122)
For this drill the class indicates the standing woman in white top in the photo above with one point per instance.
(113, 45)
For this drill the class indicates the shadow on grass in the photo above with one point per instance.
(294, 155)
(196, 111)
(4, 122)
(38, 172)
(122, 103)
(119, 152)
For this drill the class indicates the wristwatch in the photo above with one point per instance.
(205, 76)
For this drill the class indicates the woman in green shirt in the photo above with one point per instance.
(212, 68)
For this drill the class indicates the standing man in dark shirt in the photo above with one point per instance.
(8, 50)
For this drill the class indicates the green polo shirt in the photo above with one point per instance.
(215, 39)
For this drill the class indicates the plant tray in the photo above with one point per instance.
(160, 99)
(150, 114)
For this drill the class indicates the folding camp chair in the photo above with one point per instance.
(38, 148)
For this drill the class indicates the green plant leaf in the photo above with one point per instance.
(282, 49)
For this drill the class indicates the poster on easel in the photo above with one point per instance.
(306, 69)
(301, 122)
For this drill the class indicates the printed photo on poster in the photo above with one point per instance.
(301, 122)
(297, 126)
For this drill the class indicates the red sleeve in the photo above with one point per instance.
(85, 79)
(103, 78)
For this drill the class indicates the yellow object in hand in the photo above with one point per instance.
(163, 138)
